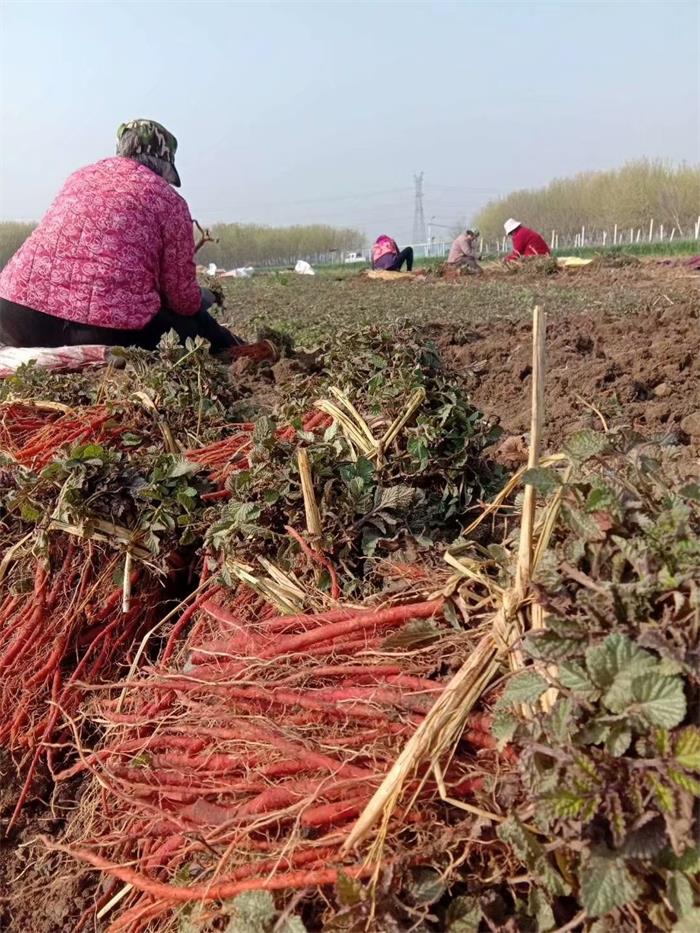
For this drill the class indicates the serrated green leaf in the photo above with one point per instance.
(503, 727)
(530, 852)
(397, 498)
(680, 894)
(583, 526)
(659, 701)
(600, 497)
(525, 687)
(685, 781)
(573, 676)
(606, 884)
(583, 445)
(564, 803)
(686, 748)
(663, 794)
(250, 912)
(615, 655)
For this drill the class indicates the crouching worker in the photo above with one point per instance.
(112, 262)
(526, 242)
(387, 256)
(463, 254)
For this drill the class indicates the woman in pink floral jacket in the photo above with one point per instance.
(112, 261)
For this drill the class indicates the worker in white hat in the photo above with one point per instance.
(526, 242)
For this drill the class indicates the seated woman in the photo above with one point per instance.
(386, 255)
(112, 261)
(463, 255)
(526, 242)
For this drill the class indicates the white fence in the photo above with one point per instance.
(650, 232)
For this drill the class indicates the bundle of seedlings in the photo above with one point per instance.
(241, 758)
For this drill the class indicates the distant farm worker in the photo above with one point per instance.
(387, 256)
(463, 253)
(526, 242)
(112, 261)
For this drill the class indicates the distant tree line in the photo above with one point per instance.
(256, 245)
(239, 244)
(630, 196)
(12, 235)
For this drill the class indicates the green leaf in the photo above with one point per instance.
(426, 885)
(600, 497)
(573, 676)
(664, 795)
(659, 701)
(559, 720)
(365, 470)
(542, 479)
(689, 862)
(619, 739)
(616, 654)
(503, 727)
(583, 445)
(540, 908)
(564, 803)
(680, 894)
(251, 912)
(532, 855)
(687, 748)
(583, 526)
(525, 687)
(690, 491)
(463, 915)
(181, 467)
(349, 891)
(685, 781)
(398, 498)
(606, 884)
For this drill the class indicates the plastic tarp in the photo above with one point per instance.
(53, 359)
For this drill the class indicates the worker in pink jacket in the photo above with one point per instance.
(112, 261)
(526, 242)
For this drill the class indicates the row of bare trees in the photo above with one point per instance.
(256, 245)
(240, 244)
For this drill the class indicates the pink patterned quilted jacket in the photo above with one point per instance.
(115, 244)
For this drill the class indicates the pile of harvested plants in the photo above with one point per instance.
(347, 705)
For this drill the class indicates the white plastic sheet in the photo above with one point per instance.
(53, 359)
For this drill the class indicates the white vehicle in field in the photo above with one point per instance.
(354, 257)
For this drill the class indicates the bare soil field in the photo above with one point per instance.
(626, 340)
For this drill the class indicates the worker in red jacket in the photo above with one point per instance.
(526, 242)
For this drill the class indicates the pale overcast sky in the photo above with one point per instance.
(321, 112)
